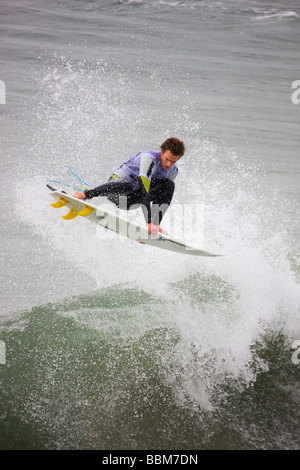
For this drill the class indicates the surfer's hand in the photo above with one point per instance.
(154, 229)
(79, 194)
(163, 231)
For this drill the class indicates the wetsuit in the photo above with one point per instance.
(141, 180)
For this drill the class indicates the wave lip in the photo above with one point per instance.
(276, 15)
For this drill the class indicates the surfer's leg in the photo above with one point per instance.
(122, 194)
(110, 189)
(161, 194)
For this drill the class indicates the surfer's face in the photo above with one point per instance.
(168, 159)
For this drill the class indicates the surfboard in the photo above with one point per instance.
(120, 225)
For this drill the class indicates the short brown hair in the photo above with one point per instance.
(175, 146)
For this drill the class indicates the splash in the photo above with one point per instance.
(214, 311)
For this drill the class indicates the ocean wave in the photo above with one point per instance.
(274, 15)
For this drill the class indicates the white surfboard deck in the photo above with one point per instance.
(122, 226)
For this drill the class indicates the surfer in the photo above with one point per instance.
(147, 180)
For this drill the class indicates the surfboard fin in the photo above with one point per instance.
(60, 203)
(70, 215)
(86, 211)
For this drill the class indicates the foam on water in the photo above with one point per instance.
(218, 307)
(112, 344)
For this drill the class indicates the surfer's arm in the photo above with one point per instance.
(146, 170)
(152, 228)
(146, 202)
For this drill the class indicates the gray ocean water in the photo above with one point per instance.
(109, 344)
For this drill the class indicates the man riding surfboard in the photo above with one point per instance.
(146, 179)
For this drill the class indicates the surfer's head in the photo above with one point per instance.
(175, 146)
(171, 150)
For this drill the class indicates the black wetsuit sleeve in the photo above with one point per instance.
(145, 173)
(113, 186)
(146, 201)
(90, 193)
